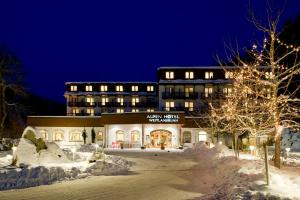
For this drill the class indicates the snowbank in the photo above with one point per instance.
(243, 178)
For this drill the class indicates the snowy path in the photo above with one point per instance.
(153, 177)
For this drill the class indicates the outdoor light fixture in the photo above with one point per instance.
(220, 142)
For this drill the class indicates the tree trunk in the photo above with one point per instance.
(277, 153)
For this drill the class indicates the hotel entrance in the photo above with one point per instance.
(160, 136)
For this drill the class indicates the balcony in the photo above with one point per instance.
(81, 104)
(143, 104)
(180, 95)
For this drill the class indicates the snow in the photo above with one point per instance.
(291, 140)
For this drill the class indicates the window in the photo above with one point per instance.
(88, 88)
(189, 75)
(229, 75)
(119, 88)
(268, 75)
(169, 75)
(104, 100)
(120, 110)
(90, 111)
(227, 92)
(150, 109)
(135, 136)
(75, 136)
(120, 136)
(120, 100)
(44, 135)
(169, 105)
(202, 136)
(150, 88)
(209, 75)
(90, 101)
(189, 105)
(99, 136)
(134, 88)
(135, 100)
(75, 111)
(208, 91)
(103, 88)
(73, 88)
(135, 110)
(187, 137)
(188, 91)
(58, 135)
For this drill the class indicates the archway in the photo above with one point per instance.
(159, 136)
(187, 137)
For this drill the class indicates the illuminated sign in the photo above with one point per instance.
(165, 118)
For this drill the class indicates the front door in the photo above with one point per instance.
(160, 136)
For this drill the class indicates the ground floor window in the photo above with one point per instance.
(202, 136)
(187, 137)
(120, 137)
(58, 135)
(160, 136)
(99, 136)
(75, 136)
(135, 136)
(44, 135)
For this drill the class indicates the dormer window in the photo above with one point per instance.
(73, 88)
(189, 75)
(134, 88)
(169, 75)
(229, 75)
(103, 88)
(88, 88)
(209, 75)
(119, 88)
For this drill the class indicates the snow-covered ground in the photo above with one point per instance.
(201, 173)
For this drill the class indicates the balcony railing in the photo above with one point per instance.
(180, 95)
(81, 104)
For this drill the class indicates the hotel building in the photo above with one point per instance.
(139, 114)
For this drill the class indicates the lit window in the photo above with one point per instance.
(169, 75)
(150, 88)
(189, 75)
(135, 100)
(189, 105)
(135, 136)
(229, 75)
(75, 111)
(208, 91)
(119, 88)
(75, 136)
(120, 100)
(44, 135)
(188, 91)
(150, 109)
(90, 111)
(120, 136)
(120, 110)
(88, 88)
(103, 88)
(169, 105)
(58, 135)
(268, 75)
(104, 100)
(227, 91)
(209, 75)
(135, 110)
(73, 88)
(99, 136)
(90, 101)
(134, 88)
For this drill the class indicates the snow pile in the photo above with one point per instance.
(243, 178)
(27, 154)
(87, 148)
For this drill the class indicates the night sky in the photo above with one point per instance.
(97, 40)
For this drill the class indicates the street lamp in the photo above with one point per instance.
(73, 152)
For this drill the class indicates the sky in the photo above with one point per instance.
(60, 41)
